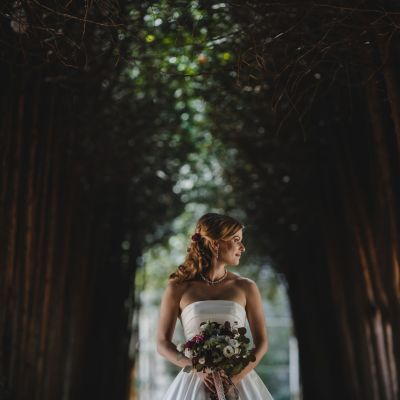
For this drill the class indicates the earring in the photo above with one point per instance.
(217, 253)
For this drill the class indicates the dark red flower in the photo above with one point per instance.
(196, 237)
(198, 338)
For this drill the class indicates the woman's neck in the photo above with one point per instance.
(215, 272)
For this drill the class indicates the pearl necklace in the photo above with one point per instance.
(210, 282)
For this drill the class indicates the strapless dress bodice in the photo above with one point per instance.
(215, 310)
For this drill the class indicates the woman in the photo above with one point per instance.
(202, 288)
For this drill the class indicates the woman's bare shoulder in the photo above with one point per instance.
(241, 280)
(173, 284)
(172, 296)
(178, 288)
(246, 285)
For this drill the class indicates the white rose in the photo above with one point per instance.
(202, 360)
(188, 353)
(234, 343)
(204, 326)
(228, 351)
(180, 347)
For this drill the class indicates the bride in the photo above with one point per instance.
(202, 288)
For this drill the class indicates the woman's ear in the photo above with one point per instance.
(215, 244)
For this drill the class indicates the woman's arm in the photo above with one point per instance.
(257, 324)
(169, 310)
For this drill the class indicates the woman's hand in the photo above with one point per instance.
(207, 379)
(228, 385)
(235, 379)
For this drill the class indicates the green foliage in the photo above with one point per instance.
(210, 123)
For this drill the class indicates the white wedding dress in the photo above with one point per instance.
(188, 386)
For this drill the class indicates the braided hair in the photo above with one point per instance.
(210, 226)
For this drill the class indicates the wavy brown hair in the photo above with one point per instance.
(210, 226)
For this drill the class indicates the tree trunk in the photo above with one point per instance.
(63, 321)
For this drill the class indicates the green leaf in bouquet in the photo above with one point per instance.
(236, 369)
(188, 368)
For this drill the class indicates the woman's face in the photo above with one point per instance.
(230, 250)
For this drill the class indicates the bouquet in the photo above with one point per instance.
(221, 350)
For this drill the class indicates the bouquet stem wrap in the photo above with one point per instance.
(218, 385)
(231, 395)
